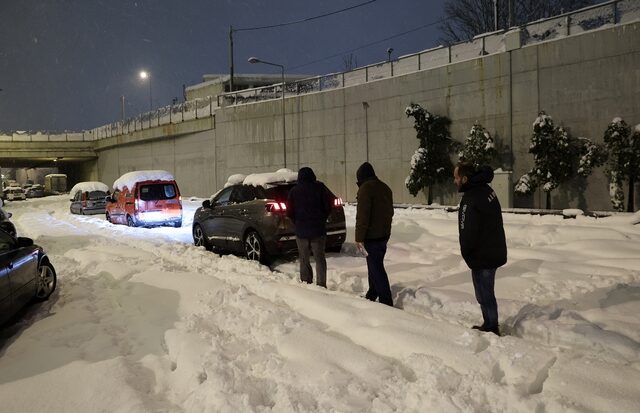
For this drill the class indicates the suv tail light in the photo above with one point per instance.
(337, 202)
(276, 207)
(84, 199)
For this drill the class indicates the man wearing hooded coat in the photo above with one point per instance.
(308, 206)
(482, 240)
(373, 229)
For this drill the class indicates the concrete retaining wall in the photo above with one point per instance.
(581, 81)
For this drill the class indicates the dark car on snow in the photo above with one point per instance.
(252, 221)
(26, 274)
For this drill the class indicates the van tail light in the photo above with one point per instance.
(276, 207)
(337, 202)
(84, 199)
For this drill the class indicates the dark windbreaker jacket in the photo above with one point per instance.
(482, 239)
(309, 205)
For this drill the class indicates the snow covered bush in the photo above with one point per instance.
(431, 163)
(478, 149)
(557, 158)
(623, 164)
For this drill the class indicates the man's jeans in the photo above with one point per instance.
(305, 247)
(483, 283)
(378, 279)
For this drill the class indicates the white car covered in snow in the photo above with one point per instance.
(14, 193)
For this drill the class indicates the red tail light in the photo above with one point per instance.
(84, 199)
(337, 202)
(276, 207)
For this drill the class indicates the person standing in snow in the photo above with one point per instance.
(482, 240)
(373, 229)
(308, 206)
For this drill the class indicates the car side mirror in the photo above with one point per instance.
(71, 199)
(9, 214)
(206, 203)
(24, 242)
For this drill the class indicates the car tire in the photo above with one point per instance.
(177, 224)
(46, 281)
(254, 248)
(130, 221)
(199, 239)
(108, 218)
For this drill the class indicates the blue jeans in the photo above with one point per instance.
(483, 283)
(378, 279)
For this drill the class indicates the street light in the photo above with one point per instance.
(253, 60)
(144, 75)
(389, 51)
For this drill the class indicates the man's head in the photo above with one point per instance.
(462, 173)
(305, 175)
(364, 172)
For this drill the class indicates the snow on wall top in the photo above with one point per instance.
(55, 175)
(261, 179)
(130, 178)
(88, 187)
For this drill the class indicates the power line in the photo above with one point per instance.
(369, 44)
(305, 20)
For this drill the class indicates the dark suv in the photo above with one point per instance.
(252, 221)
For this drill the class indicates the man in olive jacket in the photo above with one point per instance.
(373, 229)
(482, 240)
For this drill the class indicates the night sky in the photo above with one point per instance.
(65, 63)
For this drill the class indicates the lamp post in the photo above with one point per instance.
(253, 60)
(389, 51)
(144, 75)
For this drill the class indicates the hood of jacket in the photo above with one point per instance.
(365, 172)
(483, 175)
(306, 175)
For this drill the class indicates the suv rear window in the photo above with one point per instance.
(97, 195)
(278, 192)
(156, 192)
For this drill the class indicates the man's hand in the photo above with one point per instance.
(360, 246)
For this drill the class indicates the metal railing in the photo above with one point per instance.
(589, 18)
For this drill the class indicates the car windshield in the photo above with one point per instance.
(156, 192)
(93, 195)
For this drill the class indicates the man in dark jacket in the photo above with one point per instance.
(373, 229)
(309, 205)
(482, 240)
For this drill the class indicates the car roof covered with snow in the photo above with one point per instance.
(89, 186)
(266, 179)
(131, 178)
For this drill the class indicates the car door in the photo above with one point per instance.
(76, 203)
(213, 219)
(5, 292)
(21, 265)
(237, 215)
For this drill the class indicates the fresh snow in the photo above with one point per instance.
(143, 321)
(129, 179)
(88, 187)
(265, 178)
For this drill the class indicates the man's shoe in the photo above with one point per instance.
(481, 328)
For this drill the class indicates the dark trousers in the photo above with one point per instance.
(305, 247)
(378, 279)
(483, 283)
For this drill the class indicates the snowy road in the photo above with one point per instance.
(144, 321)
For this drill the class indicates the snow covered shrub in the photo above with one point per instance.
(431, 163)
(557, 158)
(478, 149)
(623, 164)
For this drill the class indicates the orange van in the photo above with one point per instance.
(146, 199)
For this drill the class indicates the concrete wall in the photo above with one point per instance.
(581, 81)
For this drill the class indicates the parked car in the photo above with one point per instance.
(14, 193)
(5, 224)
(26, 274)
(88, 198)
(145, 198)
(36, 191)
(250, 219)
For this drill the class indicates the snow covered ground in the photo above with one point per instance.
(144, 321)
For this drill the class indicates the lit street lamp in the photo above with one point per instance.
(144, 75)
(253, 60)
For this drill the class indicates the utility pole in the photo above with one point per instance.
(122, 106)
(230, 58)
